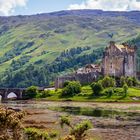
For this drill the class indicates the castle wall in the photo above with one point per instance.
(113, 65)
(119, 62)
(59, 82)
(130, 66)
(84, 78)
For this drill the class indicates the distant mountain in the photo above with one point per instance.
(35, 49)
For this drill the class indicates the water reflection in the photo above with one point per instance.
(73, 109)
(96, 112)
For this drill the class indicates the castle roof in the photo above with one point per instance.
(125, 48)
(120, 47)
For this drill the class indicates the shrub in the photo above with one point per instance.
(110, 92)
(71, 89)
(108, 82)
(125, 88)
(36, 134)
(118, 91)
(66, 83)
(122, 81)
(135, 82)
(45, 94)
(31, 92)
(69, 137)
(77, 131)
(65, 120)
(129, 81)
(10, 124)
(96, 88)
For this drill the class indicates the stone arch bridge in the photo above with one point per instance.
(19, 92)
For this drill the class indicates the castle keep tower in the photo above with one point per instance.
(119, 60)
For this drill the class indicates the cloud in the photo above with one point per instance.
(7, 6)
(108, 5)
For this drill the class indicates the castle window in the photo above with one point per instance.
(111, 65)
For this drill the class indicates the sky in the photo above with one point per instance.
(29, 7)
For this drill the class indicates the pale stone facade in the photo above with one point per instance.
(89, 68)
(119, 60)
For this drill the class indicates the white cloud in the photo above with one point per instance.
(108, 5)
(7, 6)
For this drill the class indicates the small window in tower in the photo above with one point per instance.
(111, 66)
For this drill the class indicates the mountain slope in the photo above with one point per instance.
(31, 45)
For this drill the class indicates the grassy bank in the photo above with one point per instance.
(133, 95)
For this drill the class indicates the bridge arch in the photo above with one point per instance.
(0, 97)
(16, 92)
(5, 92)
(12, 95)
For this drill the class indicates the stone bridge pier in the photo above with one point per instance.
(4, 92)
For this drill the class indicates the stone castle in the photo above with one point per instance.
(117, 61)
(85, 75)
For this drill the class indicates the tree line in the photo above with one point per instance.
(43, 75)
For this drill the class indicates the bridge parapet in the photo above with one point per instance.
(4, 92)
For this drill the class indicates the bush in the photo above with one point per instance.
(118, 91)
(108, 82)
(36, 134)
(129, 81)
(125, 88)
(31, 92)
(66, 83)
(122, 81)
(45, 94)
(109, 92)
(96, 88)
(71, 89)
(10, 124)
(135, 82)
(77, 131)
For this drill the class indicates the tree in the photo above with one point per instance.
(72, 88)
(31, 92)
(96, 88)
(108, 82)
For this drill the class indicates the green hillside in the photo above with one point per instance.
(35, 49)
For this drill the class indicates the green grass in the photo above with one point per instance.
(29, 29)
(87, 95)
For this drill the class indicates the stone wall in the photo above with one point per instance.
(130, 66)
(84, 78)
(119, 62)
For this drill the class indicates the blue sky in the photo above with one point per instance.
(28, 7)
(45, 6)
